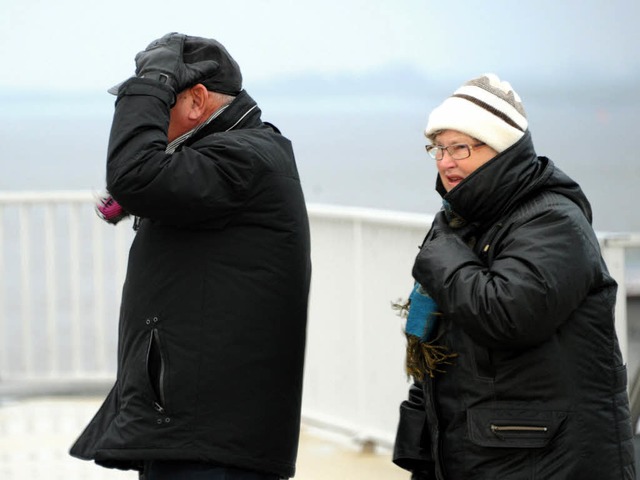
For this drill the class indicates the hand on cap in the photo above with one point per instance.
(162, 61)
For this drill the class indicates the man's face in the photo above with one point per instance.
(179, 122)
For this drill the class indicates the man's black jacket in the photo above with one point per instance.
(214, 306)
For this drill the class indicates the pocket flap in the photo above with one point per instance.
(513, 428)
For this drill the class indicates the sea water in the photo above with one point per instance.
(353, 150)
(357, 151)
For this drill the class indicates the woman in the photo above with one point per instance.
(521, 376)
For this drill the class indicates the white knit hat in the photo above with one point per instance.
(485, 108)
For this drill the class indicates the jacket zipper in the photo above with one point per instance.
(162, 369)
(488, 241)
(436, 411)
(517, 428)
(158, 404)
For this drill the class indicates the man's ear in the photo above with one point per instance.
(199, 101)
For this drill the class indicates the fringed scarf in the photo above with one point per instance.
(424, 356)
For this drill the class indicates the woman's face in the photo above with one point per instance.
(451, 171)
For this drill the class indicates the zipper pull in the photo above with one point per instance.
(158, 407)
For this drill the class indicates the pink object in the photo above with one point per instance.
(110, 210)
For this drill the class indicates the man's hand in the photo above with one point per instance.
(162, 61)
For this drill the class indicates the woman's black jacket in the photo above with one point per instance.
(538, 390)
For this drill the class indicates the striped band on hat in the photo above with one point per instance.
(484, 108)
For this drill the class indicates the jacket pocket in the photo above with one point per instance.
(513, 428)
(156, 370)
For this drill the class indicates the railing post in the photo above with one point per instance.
(359, 299)
(3, 303)
(25, 289)
(613, 254)
(97, 248)
(51, 290)
(74, 288)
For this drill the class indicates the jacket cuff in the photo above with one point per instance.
(149, 87)
(424, 475)
(410, 451)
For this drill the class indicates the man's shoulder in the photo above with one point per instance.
(260, 138)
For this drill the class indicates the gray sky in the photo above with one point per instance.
(71, 44)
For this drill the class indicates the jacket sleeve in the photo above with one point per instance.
(411, 449)
(189, 186)
(543, 267)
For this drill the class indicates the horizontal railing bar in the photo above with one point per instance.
(317, 210)
(628, 240)
(49, 196)
(368, 215)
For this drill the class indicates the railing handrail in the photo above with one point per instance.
(320, 210)
(48, 196)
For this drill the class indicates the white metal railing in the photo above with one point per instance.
(61, 271)
(60, 276)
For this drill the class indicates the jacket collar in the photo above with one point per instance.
(242, 112)
(487, 193)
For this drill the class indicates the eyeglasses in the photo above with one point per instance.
(457, 151)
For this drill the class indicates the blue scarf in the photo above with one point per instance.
(424, 357)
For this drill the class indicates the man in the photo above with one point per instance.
(213, 315)
(518, 373)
